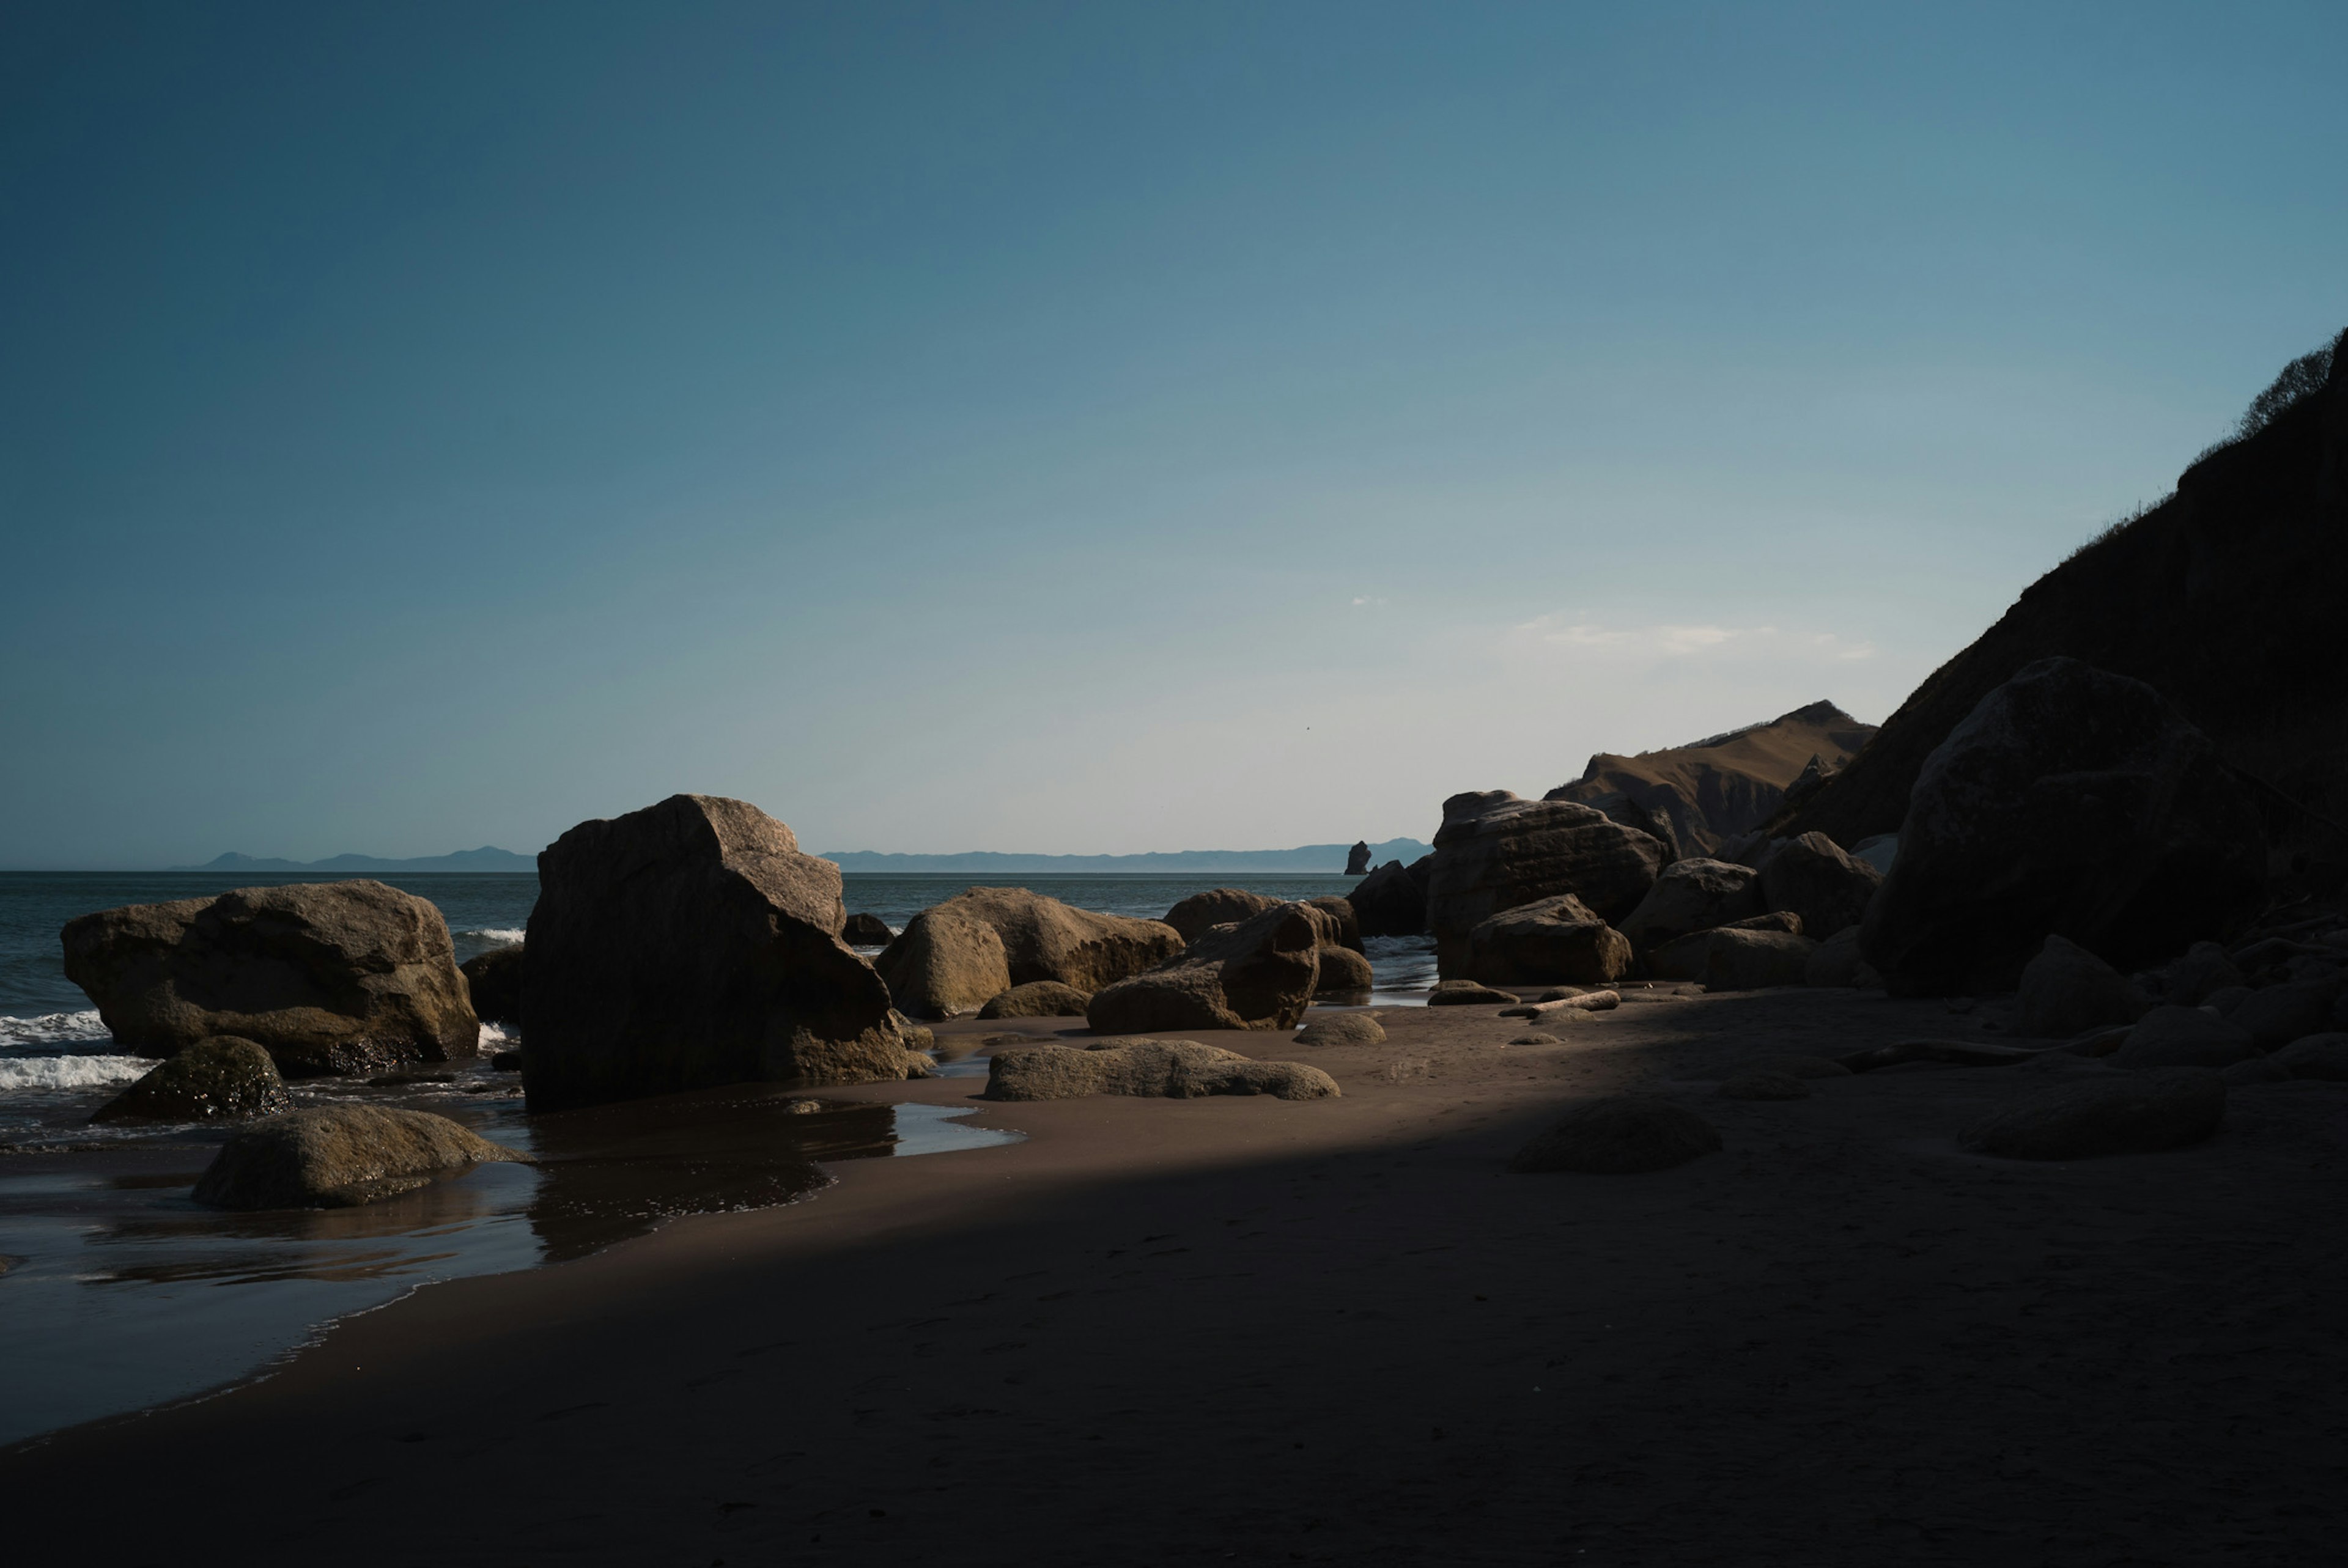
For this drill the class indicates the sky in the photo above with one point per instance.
(1084, 428)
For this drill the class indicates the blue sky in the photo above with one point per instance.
(1084, 428)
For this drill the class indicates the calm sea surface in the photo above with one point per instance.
(118, 1292)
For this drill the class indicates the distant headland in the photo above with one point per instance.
(486, 859)
(1304, 859)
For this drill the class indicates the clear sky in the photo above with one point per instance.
(1087, 427)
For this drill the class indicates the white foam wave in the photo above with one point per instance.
(53, 1028)
(508, 935)
(22, 1072)
(494, 1039)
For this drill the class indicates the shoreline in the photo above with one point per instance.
(1840, 1340)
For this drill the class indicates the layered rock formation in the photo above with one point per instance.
(327, 976)
(1717, 789)
(1497, 851)
(688, 945)
(955, 957)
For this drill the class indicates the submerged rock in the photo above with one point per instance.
(493, 979)
(690, 945)
(223, 1078)
(1258, 974)
(1619, 1136)
(957, 956)
(337, 1156)
(2124, 1113)
(1037, 999)
(1153, 1069)
(327, 976)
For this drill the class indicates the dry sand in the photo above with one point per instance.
(1259, 1331)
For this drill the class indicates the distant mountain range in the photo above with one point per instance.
(1305, 858)
(482, 859)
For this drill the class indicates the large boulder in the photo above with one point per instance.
(2125, 1113)
(1693, 896)
(1259, 974)
(1811, 877)
(1152, 1068)
(2072, 800)
(1619, 1136)
(1496, 851)
(1838, 964)
(1036, 999)
(1344, 973)
(1686, 958)
(2067, 990)
(2280, 1014)
(223, 1078)
(1200, 913)
(690, 945)
(493, 979)
(1390, 901)
(336, 1156)
(327, 976)
(1558, 941)
(1344, 924)
(2322, 1056)
(1737, 959)
(2184, 1037)
(955, 957)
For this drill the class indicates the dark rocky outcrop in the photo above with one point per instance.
(2072, 801)
(1838, 964)
(1693, 896)
(493, 979)
(2225, 599)
(1258, 974)
(1343, 1029)
(1686, 958)
(1391, 900)
(1740, 959)
(336, 1156)
(2125, 1113)
(1358, 859)
(955, 957)
(2280, 1014)
(1037, 999)
(2067, 990)
(1557, 942)
(2184, 1037)
(223, 1078)
(1811, 877)
(690, 945)
(866, 931)
(1151, 1069)
(1619, 1136)
(2324, 1056)
(1717, 789)
(2192, 980)
(1496, 852)
(327, 976)
(1200, 913)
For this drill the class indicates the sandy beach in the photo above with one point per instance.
(1261, 1331)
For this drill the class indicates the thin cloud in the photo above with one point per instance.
(1674, 639)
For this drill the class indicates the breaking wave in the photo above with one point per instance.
(23, 1072)
(496, 936)
(52, 1029)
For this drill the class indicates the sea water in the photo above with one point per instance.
(118, 1292)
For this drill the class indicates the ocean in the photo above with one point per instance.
(118, 1292)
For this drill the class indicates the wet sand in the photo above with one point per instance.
(1257, 1331)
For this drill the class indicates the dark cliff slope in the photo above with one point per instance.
(2230, 597)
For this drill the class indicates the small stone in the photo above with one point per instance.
(1469, 993)
(1537, 1040)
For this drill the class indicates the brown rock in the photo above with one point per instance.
(223, 1078)
(1556, 940)
(327, 976)
(1038, 998)
(1496, 852)
(1258, 974)
(955, 957)
(866, 931)
(340, 1155)
(1391, 900)
(690, 945)
(1344, 973)
(1194, 916)
(1343, 1029)
(1151, 1069)
(1693, 896)
(1811, 877)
